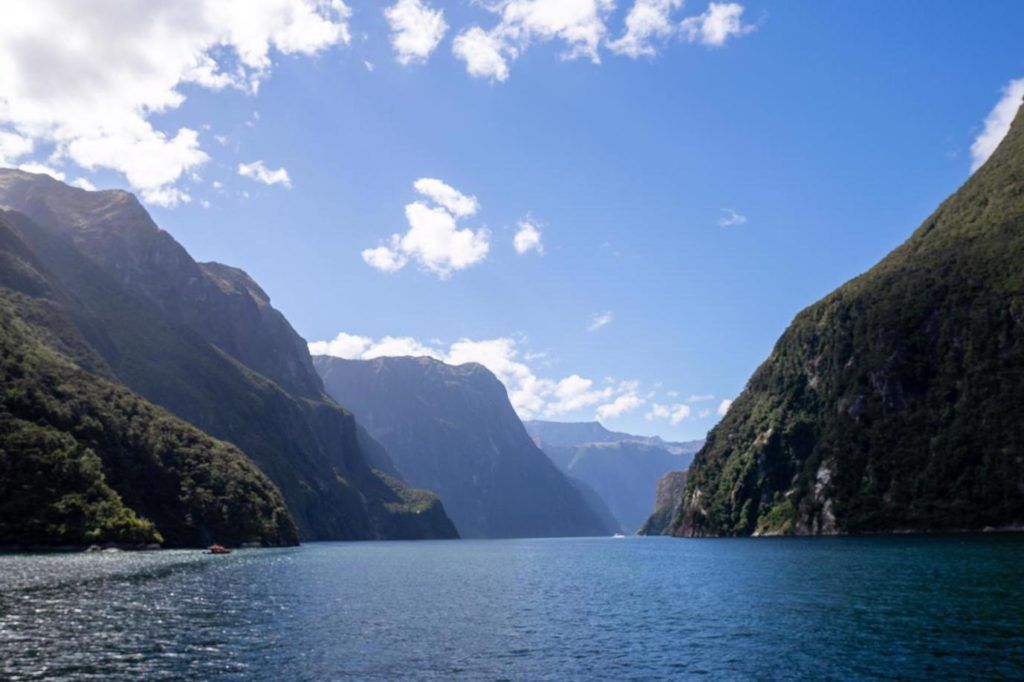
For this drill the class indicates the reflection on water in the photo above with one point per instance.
(573, 608)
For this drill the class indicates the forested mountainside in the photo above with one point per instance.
(895, 402)
(84, 460)
(196, 341)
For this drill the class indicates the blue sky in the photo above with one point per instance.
(827, 130)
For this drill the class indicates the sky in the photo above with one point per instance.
(617, 206)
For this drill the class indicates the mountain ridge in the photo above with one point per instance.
(134, 320)
(452, 429)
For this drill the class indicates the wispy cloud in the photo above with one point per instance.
(258, 171)
(997, 123)
(416, 30)
(715, 26)
(600, 320)
(731, 218)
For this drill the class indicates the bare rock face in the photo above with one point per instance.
(452, 429)
(895, 402)
(667, 500)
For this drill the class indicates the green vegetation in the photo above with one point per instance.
(83, 460)
(125, 302)
(895, 402)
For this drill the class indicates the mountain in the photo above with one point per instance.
(667, 501)
(623, 469)
(895, 402)
(624, 474)
(202, 341)
(85, 460)
(574, 434)
(453, 430)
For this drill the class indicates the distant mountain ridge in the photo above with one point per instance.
(453, 430)
(622, 468)
(203, 342)
(583, 433)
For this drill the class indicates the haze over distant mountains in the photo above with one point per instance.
(894, 403)
(91, 282)
(622, 468)
(452, 429)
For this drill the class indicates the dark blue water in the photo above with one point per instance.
(636, 608)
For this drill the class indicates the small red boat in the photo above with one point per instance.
(219, 549)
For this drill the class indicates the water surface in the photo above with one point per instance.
(634, 608)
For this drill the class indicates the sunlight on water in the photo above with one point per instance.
(579, 608)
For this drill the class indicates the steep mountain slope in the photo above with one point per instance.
(895, 402)
(183, 335)
(622, 468)
(453, 430)
(84, 460)
(667, 501)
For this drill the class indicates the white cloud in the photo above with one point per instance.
(446, 196)
(580, 24)
(83, 183)
(679, 413)
(531, 395)
(386, 258)
(724, 406)
(731, 218)
(258, 171)
(715, 26)
(527, 238)
(700, 398)
(368, 65)
(416, 30)
(658, 411)
(12, 147)
(33, 167)
(600, 320)
(434, 239)
(997, 123)
(399, 346)
(673, 413)
(343, 345)
(646, 20)
(482, 53)
(86, 81)
(620, 406)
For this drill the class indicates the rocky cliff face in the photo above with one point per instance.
(667, 501)
(453, 430)
(895, 402)
(197, 340)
